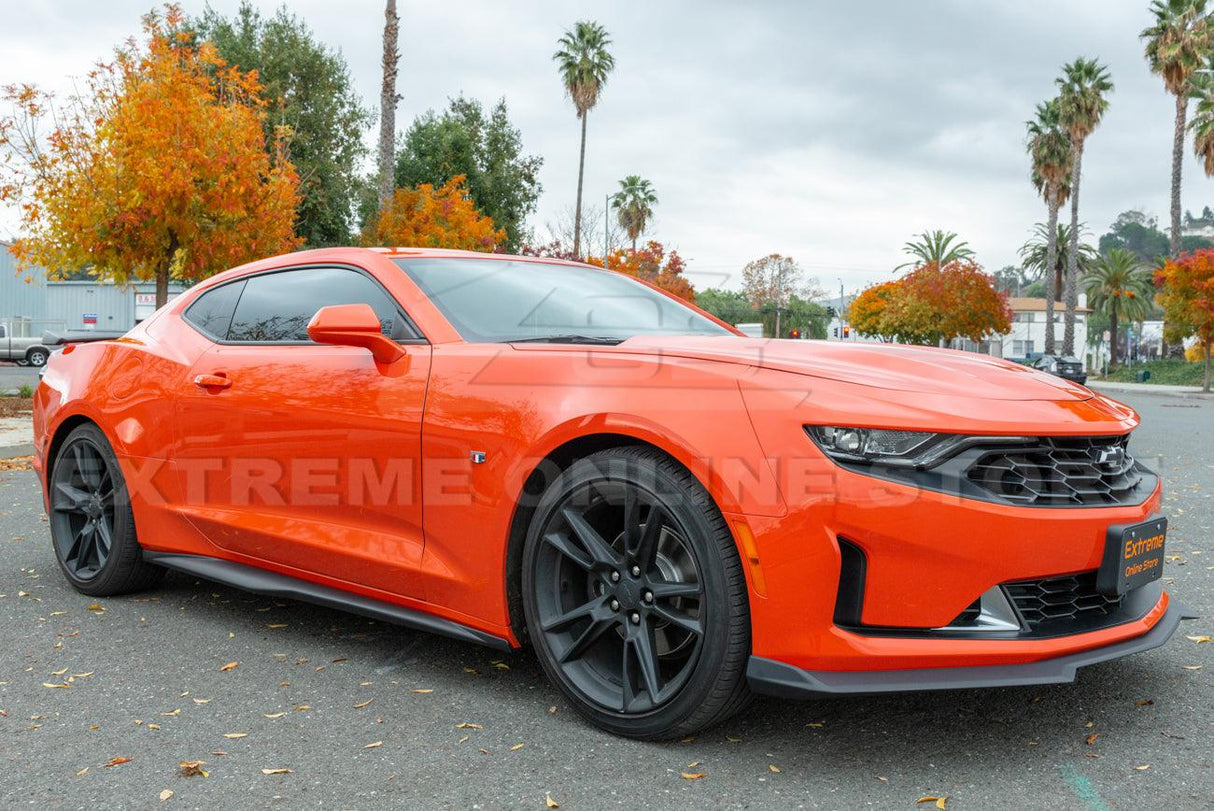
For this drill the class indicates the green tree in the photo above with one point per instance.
(1177, 44)
(487, 150)
(307, 87)
(1119, 286)
(731, 306)
(1085, 85)
(1011, 280)
(1138, 232)
(939, 247)
(806, 317)
(1049, 148)
(584, 62)
(1035, 253)
(633, 205)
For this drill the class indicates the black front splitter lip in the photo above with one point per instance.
(769, 677)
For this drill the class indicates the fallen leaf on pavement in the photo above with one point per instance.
(375, 745)
(228, 666)
(83, 772)
(117, 761)
(366, 703)
(516, 747)
(1197, 639)
(469, 725)
(277, 625)
(166, 794)
(235, 735)
(193, 768)
(277, 771)
(1091, 739)
(941, 802)
(59, 672)
(1191, 667)
(1144, 702)
(60, 686)
(691, 775)
(1142, 768)
(732, 739)
(422, 690)
(551, 803)
(202, 701)
(273, 714)
(773, 768)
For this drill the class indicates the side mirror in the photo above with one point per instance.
(353, 325)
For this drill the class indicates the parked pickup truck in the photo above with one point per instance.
(26, 351)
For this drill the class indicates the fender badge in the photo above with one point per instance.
(478, 457)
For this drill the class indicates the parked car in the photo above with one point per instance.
(522, 452)
(1064, 366)
(25, 351)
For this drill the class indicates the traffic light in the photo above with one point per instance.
(831, 312)
(836, 331)
(846, 331)
(794, 333)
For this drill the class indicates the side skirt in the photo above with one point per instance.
(273, 584)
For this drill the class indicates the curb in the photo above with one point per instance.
(1182, 392)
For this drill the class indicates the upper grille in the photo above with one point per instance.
(1060, 472)
(1060, 598)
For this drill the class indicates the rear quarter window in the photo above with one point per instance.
(212, 312)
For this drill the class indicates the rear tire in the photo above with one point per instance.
(92, 525)
(635, 598)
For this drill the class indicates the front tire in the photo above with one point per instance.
(92, 525)
(36, 357)
(635, 598)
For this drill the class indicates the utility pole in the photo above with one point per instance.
(606, 230)
(842, 304)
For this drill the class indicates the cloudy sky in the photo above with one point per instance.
(828, 131)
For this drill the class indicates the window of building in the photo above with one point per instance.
(1022, 349)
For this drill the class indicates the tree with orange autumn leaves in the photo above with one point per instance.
(157, 170)
(426, 217)
(1187, 298)
(934, 304)
(653, 263)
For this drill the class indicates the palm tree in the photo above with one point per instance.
(1201, 89)
(634, 204)
(388, 99)
(1176, 46)
(583, 62)
(1084, 85)
(1035, 255)
(1119, 284)
(1049, 147)
(940, 247)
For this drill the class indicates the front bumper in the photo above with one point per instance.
(771, 677)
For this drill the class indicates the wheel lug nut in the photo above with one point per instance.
(635, 618)
(636, 571)
(615, 605)
(648, 597)
(615, 577)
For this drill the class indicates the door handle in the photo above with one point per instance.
(212, 381)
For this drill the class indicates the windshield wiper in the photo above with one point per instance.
(567, 339)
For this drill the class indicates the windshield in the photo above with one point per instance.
(492, 300)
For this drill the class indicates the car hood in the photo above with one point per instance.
(894, 367)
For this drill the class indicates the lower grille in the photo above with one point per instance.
(1060, 598)
(1061, 472)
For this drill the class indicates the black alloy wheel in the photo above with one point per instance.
(92, 525)
(635, 597)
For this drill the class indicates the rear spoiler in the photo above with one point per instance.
(78, 337)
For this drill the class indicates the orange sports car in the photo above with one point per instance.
(523, 452)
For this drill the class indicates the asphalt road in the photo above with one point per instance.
(12, 376)
(1131, 733)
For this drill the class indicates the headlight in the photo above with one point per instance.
(897, 448)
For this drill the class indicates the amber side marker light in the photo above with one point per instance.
(747, 539)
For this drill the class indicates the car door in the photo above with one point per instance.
(299, 454)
